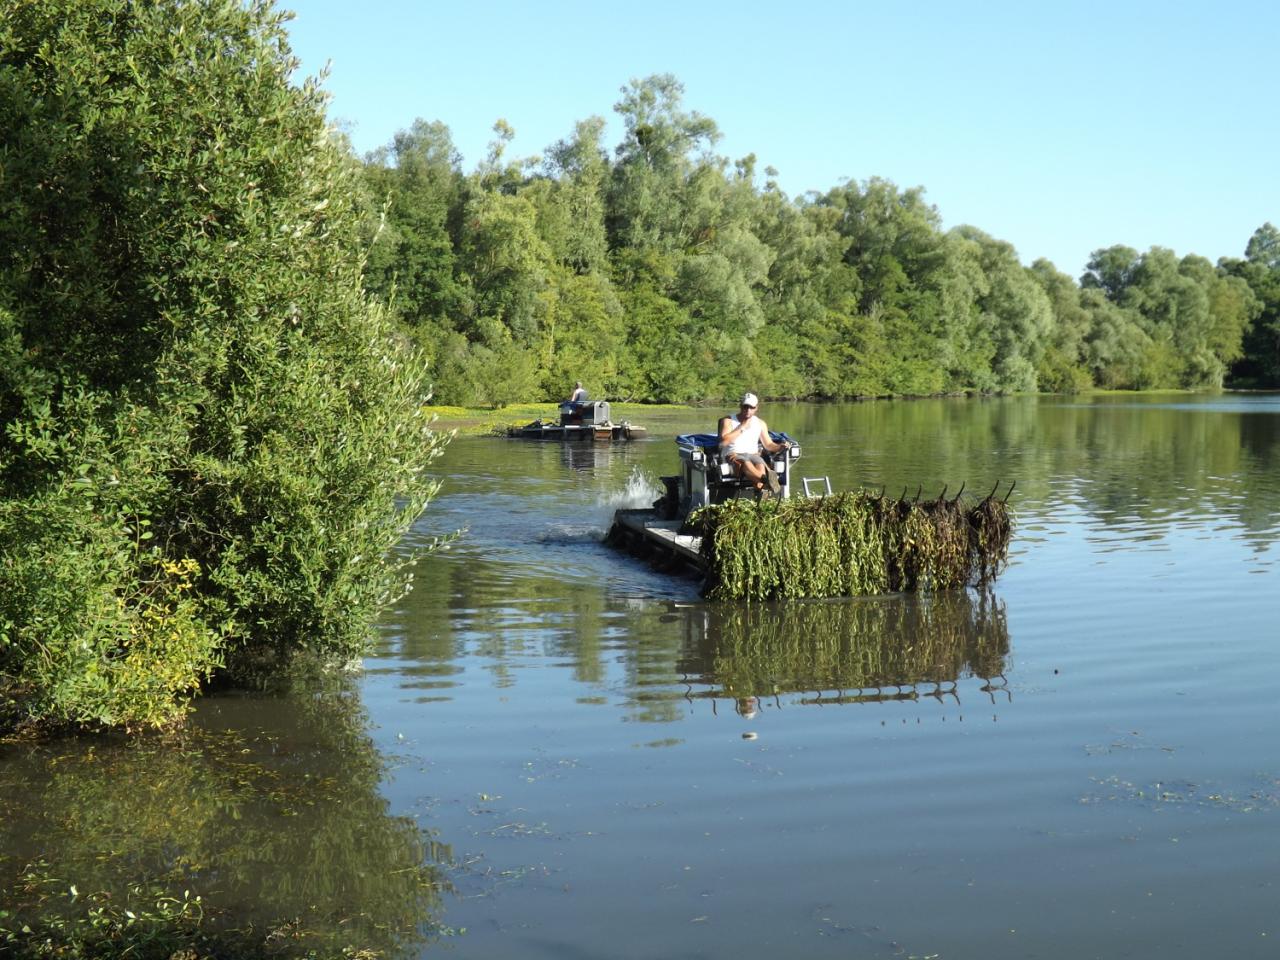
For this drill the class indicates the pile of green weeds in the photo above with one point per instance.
(850, 544)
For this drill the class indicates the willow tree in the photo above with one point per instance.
(1260, 269)
(212, 438)
(1061, 368)
(418, 178)
(1194, 317)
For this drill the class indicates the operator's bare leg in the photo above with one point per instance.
(752, 471)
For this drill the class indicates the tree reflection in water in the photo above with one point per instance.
(267, 809)
(882, 648)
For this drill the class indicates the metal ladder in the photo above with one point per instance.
(822, 483)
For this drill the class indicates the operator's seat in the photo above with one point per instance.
(584, 412)
(705, 464)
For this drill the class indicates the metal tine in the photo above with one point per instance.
(919, 490)
(956, 499)
(992, 493)
(943, 495)
(904, 494)
(1010, 493)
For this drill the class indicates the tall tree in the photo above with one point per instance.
(419, 179)
(1118, 351)
(663, 153)
(1062, 368)
(1259, 365)
(905, 286)
(572, 221)
(1012, 313)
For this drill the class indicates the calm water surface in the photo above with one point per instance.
(556, 752)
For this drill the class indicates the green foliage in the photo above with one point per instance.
(1012, 313)
(1062, 366)
(850, 544)
(897, 321)
(1116, 342)
(212, 438)
(583, 334)
(96, 627)
(411, 256)
(663, 360)
(696, 279)
(659, 175)
(1193, 318)
(507, 262)
(99, 622)
(1259, 364)
(572, 221)
(1059, 371)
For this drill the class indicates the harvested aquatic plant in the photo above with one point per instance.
(849, 544)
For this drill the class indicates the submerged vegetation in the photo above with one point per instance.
(850, 544)
(253, 831)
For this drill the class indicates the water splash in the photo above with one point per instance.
(640, 491)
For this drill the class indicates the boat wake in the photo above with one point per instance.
(571, 533)
(640, 491)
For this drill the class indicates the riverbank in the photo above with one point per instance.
(480, 421)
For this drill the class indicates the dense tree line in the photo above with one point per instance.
(662, 271)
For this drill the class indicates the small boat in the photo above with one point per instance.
(585, 420)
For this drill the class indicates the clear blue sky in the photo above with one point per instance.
(1059, 127)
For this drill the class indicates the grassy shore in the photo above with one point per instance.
(480, 421)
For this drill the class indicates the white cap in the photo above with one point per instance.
(750, 400)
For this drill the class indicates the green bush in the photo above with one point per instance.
(212, 438)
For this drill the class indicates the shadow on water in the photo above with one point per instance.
(265, 809)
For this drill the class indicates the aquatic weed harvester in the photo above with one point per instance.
(580, 420)
(819, 544)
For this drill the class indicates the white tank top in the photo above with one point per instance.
(748, 441)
